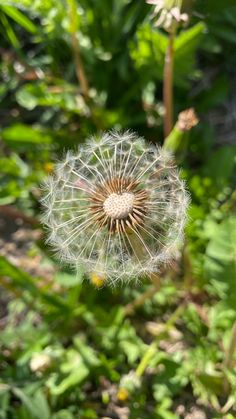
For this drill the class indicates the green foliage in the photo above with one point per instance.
(67, 349)
(148, 53)
(220, 265)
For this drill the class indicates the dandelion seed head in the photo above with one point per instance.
(116, 208)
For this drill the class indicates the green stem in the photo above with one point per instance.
(153, 347)
(79, 68)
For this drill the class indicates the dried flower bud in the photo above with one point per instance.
(168, 14)
(40, 362)
(116, 208)
(187, 120)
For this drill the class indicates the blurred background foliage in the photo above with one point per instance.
(62, 356)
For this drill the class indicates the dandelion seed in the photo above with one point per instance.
(116, 209)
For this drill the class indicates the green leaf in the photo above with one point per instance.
(212, 382)
(18, 134)
(149, 50)
(36, 405)
(163, 411)
(185, 47)
(221, 165)
(9, 32)
(41, 404)
(88, 354)
(63, 96)
(73, 379)
(68, 280)
(63, 414)
(220, 260)
(19, 18)
(4, 405)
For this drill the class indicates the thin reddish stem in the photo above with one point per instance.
(168, 86)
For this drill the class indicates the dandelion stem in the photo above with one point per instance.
(168, 86)
(154, 345)
(79, 68)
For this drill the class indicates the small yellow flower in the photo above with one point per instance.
(97, 280)
(48, 167)
(122, 394)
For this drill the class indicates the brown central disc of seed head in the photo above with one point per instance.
(119, 204)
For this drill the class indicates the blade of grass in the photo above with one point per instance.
(20, 18)
(9, 32)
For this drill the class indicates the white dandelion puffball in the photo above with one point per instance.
(116, 208)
